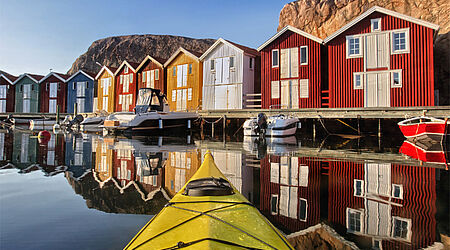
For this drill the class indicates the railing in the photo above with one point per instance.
(252, 101)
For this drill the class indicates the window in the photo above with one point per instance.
(174, 95)
(353, 47)
(376, 244)
(397, 191)
(358, 80)
(304, 88)
(400, 41)
(304, 55)
(274, 204)
(189, 94)
(3, 91)
(358, 187)
(401, 228)
(174, 71)
(144, 76)
(126, 69)
(130, 78)
(275, 89)
(354, 218)
(121, 79)
(232, 62)
(212, 65)
(396, 79)
(375, 24)
(251, 63)
(190, 68)
(156, 74)
(275, 61)
(303, 209)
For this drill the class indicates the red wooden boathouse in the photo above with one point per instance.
(383, 205)
(150, 74)
(292, 70)
(7, 92)
(53, 92)
(381, 59)
(126, 87)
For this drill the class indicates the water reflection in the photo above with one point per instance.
(375, 203)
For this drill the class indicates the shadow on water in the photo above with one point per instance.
(363, 187)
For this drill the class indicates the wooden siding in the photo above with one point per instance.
(417, 66)
(72, 93)
(44, 94)
(159, 84)
(120, 91)
(51, 155)
(418, 203)
(25, 153)
(194, 81)
(10, 95)
(179, 168)
(311, 193)
(6, 147)
(34, 95)
(311, 71)
(111, 93)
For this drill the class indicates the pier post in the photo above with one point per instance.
(358, 121)
(379, 128)
(202, 123)
(75, 110)
(314, 129)
(224, 125)
(57, 114)
(212, 129)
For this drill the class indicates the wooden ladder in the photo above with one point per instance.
(325, 98)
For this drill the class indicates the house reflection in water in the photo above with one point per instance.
(290, 191)
(6, 148)
(179, 168)
(79, 155)
(103, 160)
(51, 158)
(25, 151)
(383, 205)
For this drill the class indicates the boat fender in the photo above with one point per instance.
(189, 124)
(44, 136)
(160, 122)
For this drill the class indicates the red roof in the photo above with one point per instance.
(247, 50)
(195, 53)
(36, 77)
(10, 77)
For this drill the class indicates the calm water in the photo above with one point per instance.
(90, 192)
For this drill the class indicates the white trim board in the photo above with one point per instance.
(383, 11)
(82, 72)
(219, 41)
(6, 78)
(25, 75)
(50, 74)
(101, 71)
(148, 57)
(179, 50)
(290, 28)
(123, 64)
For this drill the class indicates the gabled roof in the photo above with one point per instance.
(87, 74)
(195, 55)
(242, 48)
(156, 60)
(290, 28)
(110, 69)
(383, 11)
(60, 76)
(131, 65)
(9, 78)
(33, 77)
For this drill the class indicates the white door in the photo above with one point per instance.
(226, 70)
(81, 93)
(377, 51)
(377, 91)
(179, 99)
(80, 105)
(52, 106)
(179, 76)
(53, 92)
(221, 97)
(3, 90)
(218, 68)
(2, 106)
(185, 73)
(184, 100)
(2, 145)
(26, 105)
(289, 94)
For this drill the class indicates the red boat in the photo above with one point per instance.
(424, 127)
(426, 151)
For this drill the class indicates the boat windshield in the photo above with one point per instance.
(148, 99)
(208, 187)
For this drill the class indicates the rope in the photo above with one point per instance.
(323, 125)
(216, 121)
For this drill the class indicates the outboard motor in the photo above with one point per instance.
(261, 125)
(76, 120)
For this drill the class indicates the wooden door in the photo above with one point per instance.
(221, 99)
(218, 68)
(3, 90)
(377, 51)
(285, 95)
(289, 94)
(226, 70)
(81, 95)
(377, 91)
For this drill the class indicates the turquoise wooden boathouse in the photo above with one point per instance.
(80, 92)
(27, 93)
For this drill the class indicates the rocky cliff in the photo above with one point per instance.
(323, 17)
(113, 50)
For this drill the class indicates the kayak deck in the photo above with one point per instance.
(209, 222)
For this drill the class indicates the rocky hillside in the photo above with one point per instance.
(323, 17)
(113, 50)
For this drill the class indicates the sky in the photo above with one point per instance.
(39, 35)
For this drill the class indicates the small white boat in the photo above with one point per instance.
(151, 114)
(278, 125)
(93, 123)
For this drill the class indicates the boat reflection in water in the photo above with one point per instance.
(376, 204)
(428, 152)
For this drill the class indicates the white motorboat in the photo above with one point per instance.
(93, 123)
(151, 114)
(278, 125)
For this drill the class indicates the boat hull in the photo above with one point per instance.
(277, 127)
(424, 130)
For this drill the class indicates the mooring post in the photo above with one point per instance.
(202, 135)
(57, 114)
(212, 129)
(75, 110)
(358, 119)
(224, 125)
(379, 128)
(314, 129)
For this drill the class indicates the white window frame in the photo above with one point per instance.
(375, 20)
(306, 212)
(251, 63)
(408, 234)
(126, 69)
(354, 188)
(373, 243)
(174, 71)
(361, 219)
(301, 94)
(275, 85)
(276, 207)
(393, 85)
(278, 58)
(300, 52)
(232, 59)
(362, 80)
(401, 191)
(156, 74)
(212, 65)
(347, 47)
(407, 41)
